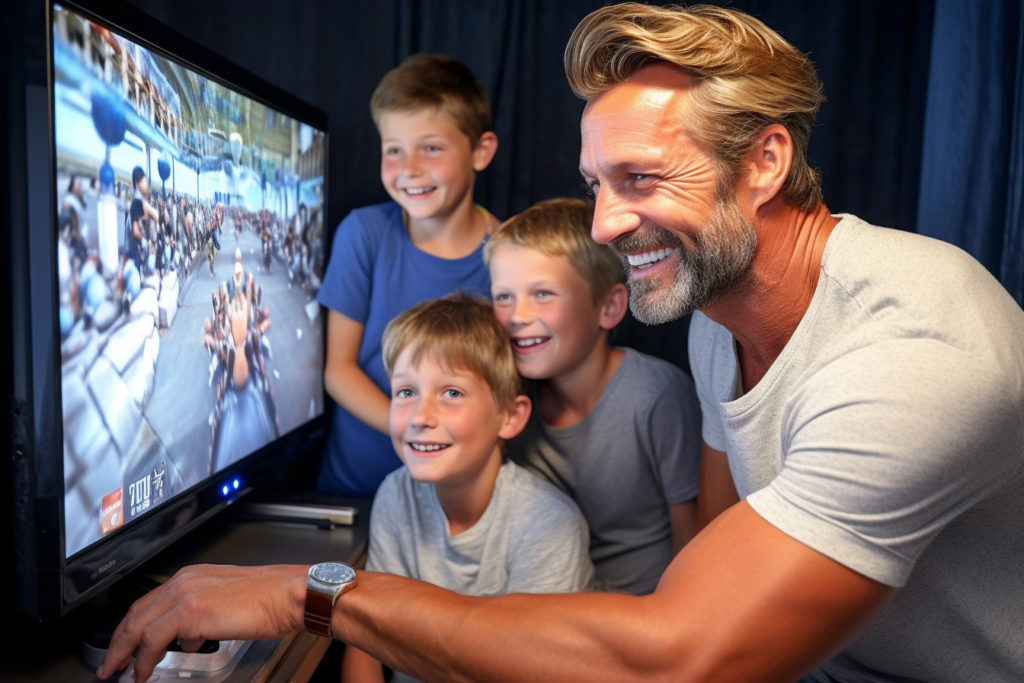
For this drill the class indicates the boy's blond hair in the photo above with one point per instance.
(746, 77)
(461, 332)
(561, 227)
(432, 81)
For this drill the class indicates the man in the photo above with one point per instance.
(863, 473)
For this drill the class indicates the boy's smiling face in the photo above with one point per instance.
(444, 422)
(547, 308)
(427, 163)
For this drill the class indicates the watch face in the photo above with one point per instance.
(334, 573)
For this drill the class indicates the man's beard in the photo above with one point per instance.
(722, 256)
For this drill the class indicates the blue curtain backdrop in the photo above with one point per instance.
(972, 170)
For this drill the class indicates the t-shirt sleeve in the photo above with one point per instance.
(868, 479)
(387, 535)
(551, 553)
(674, 429)
(348, 282)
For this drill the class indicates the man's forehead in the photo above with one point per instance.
(635, 118)
(649, 90)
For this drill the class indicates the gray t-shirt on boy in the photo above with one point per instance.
(636, 453)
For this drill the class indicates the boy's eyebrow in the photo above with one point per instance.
(425, 136)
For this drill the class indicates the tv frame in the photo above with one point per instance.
(47, 585)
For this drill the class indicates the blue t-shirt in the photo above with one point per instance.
(375, 272)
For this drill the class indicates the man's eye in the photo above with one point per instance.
(642, 180)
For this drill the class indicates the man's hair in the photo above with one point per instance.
(561, 227)
(432, 81)
(746, 77)
(461, 332)
(137, 175)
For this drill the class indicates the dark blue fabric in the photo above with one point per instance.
(972, 170)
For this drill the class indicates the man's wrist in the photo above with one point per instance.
(326, 582)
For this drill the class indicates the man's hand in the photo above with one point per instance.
(207, 602)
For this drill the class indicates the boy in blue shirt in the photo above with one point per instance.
(435, 127)
(458, 514)
(617, 429)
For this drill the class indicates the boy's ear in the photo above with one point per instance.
(484, 151)
(516, 416)
(613, 308)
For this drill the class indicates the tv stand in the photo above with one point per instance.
(54, 652)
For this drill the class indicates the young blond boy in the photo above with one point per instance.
(458, 515)
(616, 429)
(435, 128)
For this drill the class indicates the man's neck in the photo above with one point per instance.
(764, 309)
(569, 398)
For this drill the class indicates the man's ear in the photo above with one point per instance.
(484, 151)
(614, 305)
(516, 415)
(766, 166)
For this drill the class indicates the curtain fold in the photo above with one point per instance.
(972, 168)
(1011, 266)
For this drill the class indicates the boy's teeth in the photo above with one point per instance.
(418, 190)
(636, 260)
(424, 447)
(529, 342)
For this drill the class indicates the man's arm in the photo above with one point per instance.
(345, 381)
(717, 490)
(359, 667)
(742, 601)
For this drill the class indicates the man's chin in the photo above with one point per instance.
(654, 307)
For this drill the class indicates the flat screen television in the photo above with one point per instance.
(167, 345)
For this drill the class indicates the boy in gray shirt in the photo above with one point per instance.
(458, 515)
(615, 428)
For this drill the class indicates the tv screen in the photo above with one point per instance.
(186, 243)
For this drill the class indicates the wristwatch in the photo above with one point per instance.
(324, 583)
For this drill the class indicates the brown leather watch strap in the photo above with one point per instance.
(318, 613)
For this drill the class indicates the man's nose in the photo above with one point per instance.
(613, 217)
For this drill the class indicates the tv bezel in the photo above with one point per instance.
(47, 584)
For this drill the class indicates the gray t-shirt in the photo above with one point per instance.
(531, 539)
(636, 453)
(889, 436)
